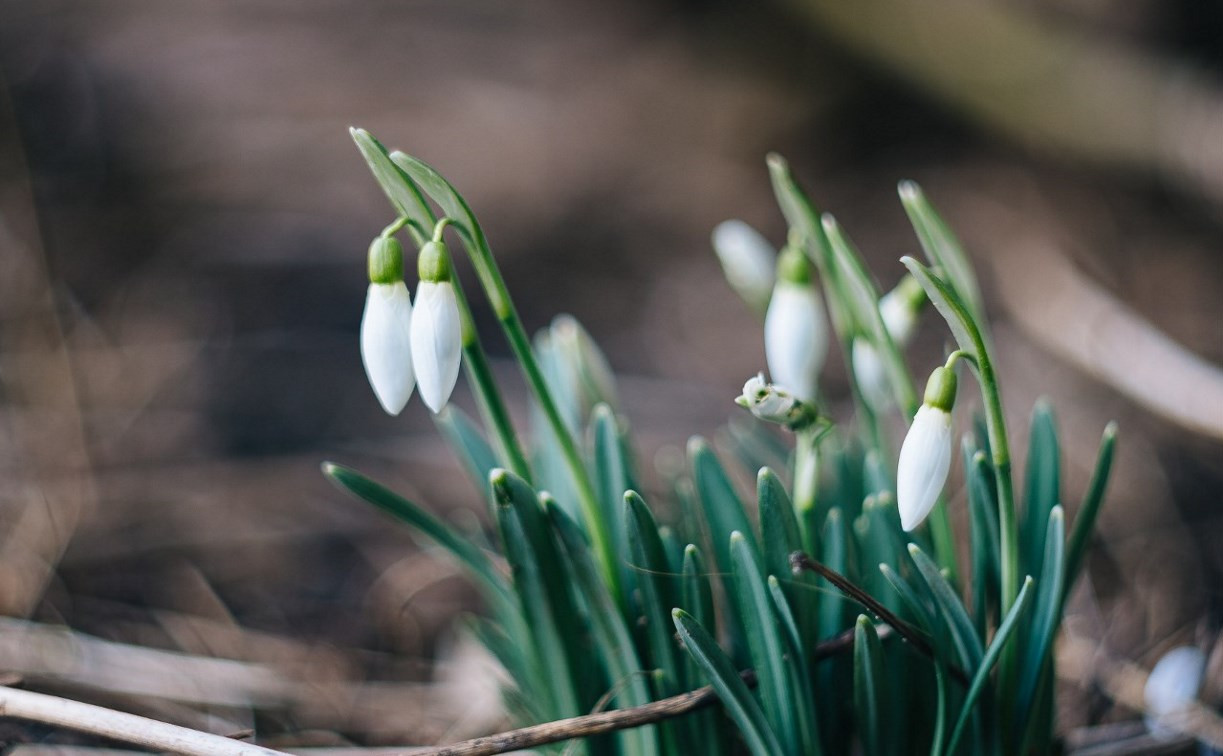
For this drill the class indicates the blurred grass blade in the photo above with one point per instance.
(392, 503)
(654, 585)
(1085, 521)
(981, 677)
(612, 635)
(834, 554)
(1043, 487)
(779, 535)
(611, 477)
(403, 193)
(868, 677)
(554, 682)
(797, 670)
(764, 641)
(983, 523)
(963, 634)
(941, 246)
(862, 299)
(1046, 616)
(738, 700)
(468, 444)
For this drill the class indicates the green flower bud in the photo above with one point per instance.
(940, 389)
(385, 260)
(433, 264)
(793, 266)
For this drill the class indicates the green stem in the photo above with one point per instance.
(499, 297)
(480, 376)
(806, 483)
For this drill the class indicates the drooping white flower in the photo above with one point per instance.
(775, 405)
(795, 330)
(386, 347)
(1172, 685)
(871, 375)
(437, 340)
(899, 309)
(748, 261)
(925, 456)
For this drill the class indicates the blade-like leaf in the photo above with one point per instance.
(1085, 522)
(940, 245)
(764, 641)
(611, 633)
(1043, 485)
(654, 584)
(402, 509)
(981, 677)
(403, 193)
(1047, 614)
(868, 678)
(467, 443)
(955, 617)
(736, 697)
(957, 314)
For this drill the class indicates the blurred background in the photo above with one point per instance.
(183, 225)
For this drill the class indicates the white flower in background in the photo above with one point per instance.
(437, 342)
(1170, 688)
(386, 348)
(925, 456)
(775, 405)
(795, 330)
(871, 375)
(748, 261)
(900, 307)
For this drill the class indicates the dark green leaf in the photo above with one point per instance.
(868, 681)
(1043, 485)
(736, 697)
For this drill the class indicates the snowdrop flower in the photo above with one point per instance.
(871, 375)
(775, 405)
(795, 331)
(899, 308)
(437, 342)
(1171, 687)
(747, 261)
(386, 348)
(925, 456)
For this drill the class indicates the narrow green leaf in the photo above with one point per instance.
(835, 554)
(764, 641)
(1047, 614)
(941, 246)
(796, 670)
(957, 314)
(611, 476)
(779, 534)
(917, 609)
(963, 634)
(983, 521)
(403, 193)
(654, 584)
(408, 512)
(468, 444)
(868, 679)
(861, 297)
(729, 686)
(1085, 522)
(981, 677)
(1043, 487)
(556, 686)
(612, 635)
(724, 514)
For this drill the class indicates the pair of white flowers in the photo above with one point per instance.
(796, 344)
(403, 347)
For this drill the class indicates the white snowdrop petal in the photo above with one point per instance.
(898, 318)
(386, 349)
(795, 338)
(925, 458)
(747, 258)
(436, 342)
(1172, 684)
(871, 375)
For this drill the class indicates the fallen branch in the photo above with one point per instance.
(118, 725)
